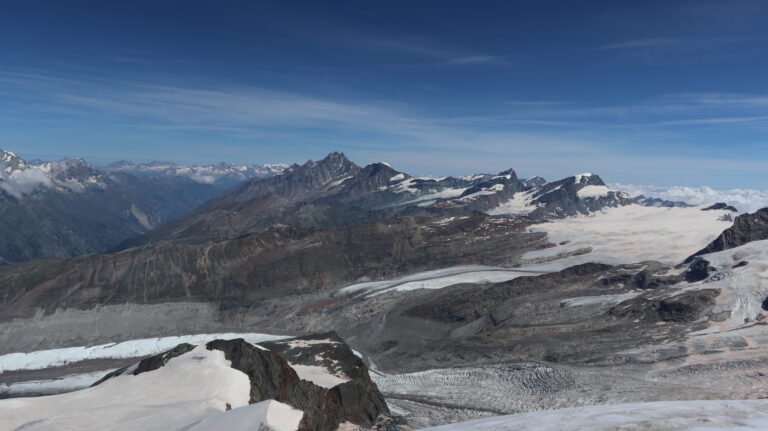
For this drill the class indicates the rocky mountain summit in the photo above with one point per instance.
(335, 192)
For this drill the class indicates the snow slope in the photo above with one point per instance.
(185, 391)
(670, 415)
(128, 349)
(266, 415)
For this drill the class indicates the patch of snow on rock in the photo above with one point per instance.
(318, 375)
(593, 192)
(520, 204)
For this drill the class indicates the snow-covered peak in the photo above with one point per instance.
(208, 174)
(583, 176)
(10, 162)
(19, 178)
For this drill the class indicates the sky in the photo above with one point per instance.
(651, 92)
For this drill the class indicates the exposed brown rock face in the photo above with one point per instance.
(275, 263)
(746, 228)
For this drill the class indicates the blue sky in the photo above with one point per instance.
(639, 92)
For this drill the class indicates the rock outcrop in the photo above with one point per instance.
(746, 228)
(355, 401)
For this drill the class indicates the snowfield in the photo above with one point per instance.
(671, 415)
(629, 234)
(441, 278)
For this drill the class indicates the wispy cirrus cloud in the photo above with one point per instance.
(448, 56)
(476, 59)
(253, 111)
(549, 138)
(643, 43)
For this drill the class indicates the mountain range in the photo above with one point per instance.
(467, 297)
(335, 192)
(224, 174)
(69, 208)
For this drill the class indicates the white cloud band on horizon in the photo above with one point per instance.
(745, 200)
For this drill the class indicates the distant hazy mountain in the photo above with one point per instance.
(68, 208)
(223, 174)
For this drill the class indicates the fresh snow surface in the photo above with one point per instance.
(593, 192)
(267, 415)
(127, 349)
(666, 415)
(185, 391)
(628, 234)
(440, 278)
(742, 289)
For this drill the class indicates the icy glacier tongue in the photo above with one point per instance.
(741, 273)
(672, 415)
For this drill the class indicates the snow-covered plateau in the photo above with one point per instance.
(631, 233)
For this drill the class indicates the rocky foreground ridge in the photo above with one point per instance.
(317, 376)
